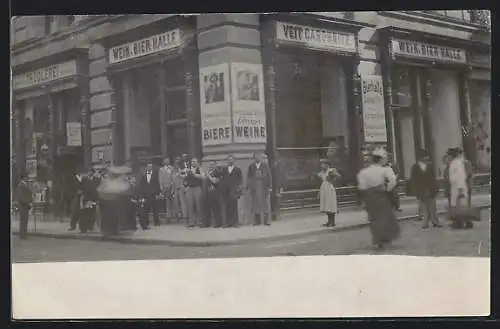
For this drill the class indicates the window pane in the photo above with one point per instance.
(401, 94)
(175, 104)
(177, 143)
(174, 73)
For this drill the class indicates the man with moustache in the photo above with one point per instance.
(232, 181)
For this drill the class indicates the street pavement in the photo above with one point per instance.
(414, 241)
(293, 225)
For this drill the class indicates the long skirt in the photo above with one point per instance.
(383, 223)
(327, 198)
(110, 217)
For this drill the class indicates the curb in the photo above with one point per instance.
(174, 243)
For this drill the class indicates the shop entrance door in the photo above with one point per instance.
(405, 140)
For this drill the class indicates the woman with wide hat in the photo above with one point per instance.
(113, 190)
(374, 182)
(327, 194)
(458, 190)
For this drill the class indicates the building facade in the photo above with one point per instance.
(299, 87)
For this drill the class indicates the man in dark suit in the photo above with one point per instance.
(232, 181)
(148, 192)
(259, 185)
(423, 185)
(24, 199)
(76, 192)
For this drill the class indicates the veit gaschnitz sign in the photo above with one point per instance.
(44, 75)
(313, 37)
(146, 46)
(427, 51)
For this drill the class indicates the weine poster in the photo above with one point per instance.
(373, 109)
(215, 106)
(249, 114)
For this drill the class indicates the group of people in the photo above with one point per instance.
(198, 197)
(377, 183)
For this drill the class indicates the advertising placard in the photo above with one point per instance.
(249, 113)
(215, 106)
(374, 125)
(74, 133)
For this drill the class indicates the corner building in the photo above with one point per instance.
(299, 87)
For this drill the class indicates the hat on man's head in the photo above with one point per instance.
(119, 170)
(379, 152)
(453, 151)
(325, 160)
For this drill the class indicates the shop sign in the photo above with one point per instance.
(147, 46)
(249, 114)
(74, 133)
(427, 51)
(314, 37)
(215, 106)
(375, 130)
(44, 75)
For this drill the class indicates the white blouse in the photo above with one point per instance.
(376, 175)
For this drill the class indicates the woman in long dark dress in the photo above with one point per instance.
(374, 182)
(112, 192)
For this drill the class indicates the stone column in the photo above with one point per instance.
(85, 115)
(226, 39)
(426, 117)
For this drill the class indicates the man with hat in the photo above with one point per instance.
(24, 197)
(423, 185)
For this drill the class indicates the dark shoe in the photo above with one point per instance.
(71, 229)
(146, 228)
(217, 226)
(226, 226)
(437, 225)
(325, 225)
(267, 224)
(425, 226)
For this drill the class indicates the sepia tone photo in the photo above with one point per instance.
(130, 142)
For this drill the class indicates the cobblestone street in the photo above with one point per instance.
(414, 241)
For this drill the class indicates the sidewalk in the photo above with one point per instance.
(290, 226)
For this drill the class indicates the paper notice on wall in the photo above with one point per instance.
(215, 106)
(374, 125)
(249, 113)
(74, 133)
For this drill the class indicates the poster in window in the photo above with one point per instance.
(249, 114)
(31, 165)
(215, 107)
(74, 133)
(374, 125)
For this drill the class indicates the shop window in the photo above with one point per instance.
(174, 73)
(175, 104)
(177, 140)
(401, 90)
